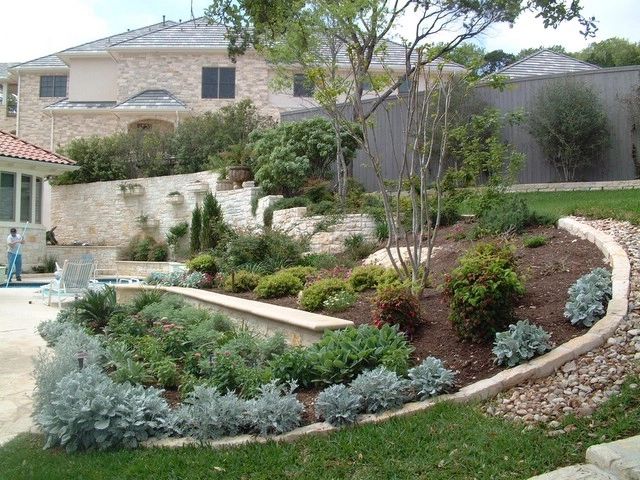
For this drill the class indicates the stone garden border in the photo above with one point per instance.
(540, 367)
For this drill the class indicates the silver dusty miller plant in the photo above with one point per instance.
(380, 389)
(588, 298)
(207, 414)
(430, 378)
(338, 405)
(90, 411)
(275, 410)
(520, 343)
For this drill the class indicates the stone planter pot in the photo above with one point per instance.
(238, 174)
(176, 199)
(223, 185)
(197, 187)
(131, 191)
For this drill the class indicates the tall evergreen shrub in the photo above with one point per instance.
(196, 225)
(211, 223)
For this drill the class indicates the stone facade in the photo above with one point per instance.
(324, 234)
(7, 122)
(179, 73)
(105, 257)
(34, 123)
(33, 250)
(109, 213)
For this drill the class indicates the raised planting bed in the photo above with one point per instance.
(299, 327)
(548, 272)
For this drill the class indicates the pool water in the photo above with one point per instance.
(105, 281)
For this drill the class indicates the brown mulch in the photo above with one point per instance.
(548, 272)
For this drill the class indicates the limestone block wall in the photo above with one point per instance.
(324, 234)
(7, 123)
(181, 74)
(34, 124)
(105, 257)
(101, 213)
(70, 125)
(33, 250)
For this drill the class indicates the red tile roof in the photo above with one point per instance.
(14, 147)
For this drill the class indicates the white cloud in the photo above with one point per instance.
(41, 27)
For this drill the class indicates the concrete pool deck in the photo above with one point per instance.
(19, 342)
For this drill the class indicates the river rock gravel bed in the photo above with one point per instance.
(579, 386)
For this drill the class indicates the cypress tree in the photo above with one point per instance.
(211, 221)
(196, 227)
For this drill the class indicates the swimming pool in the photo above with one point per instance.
(104, 281)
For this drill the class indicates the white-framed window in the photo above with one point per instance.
(20, 197)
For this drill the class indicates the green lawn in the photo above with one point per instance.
(617, 204)
(446, 442)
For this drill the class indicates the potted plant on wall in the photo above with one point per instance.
(128, 189)
(175, 198)
(234, 165)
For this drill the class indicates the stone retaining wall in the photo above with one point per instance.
(575, 186)
(537, 368)
(299, 327)
(326, 234)
(105, 257)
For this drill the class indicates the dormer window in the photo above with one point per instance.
(218, 82)
(53, 86)
(302, 86)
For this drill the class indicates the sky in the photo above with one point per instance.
(42, 27)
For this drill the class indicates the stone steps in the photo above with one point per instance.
(618, 460)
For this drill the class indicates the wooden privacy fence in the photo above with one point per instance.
(612, 85)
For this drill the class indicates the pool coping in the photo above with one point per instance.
(539, 367)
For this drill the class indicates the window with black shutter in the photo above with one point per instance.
(302, 86)
(53, 86)
(218, 82)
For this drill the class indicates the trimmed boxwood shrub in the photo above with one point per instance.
(483, 290)
(204, 263)
(241, 281)
(371, 276)
(278, 285)
(315, 294)
(303, 273)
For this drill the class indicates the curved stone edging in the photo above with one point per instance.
(542, 366)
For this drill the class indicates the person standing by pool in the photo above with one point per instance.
(14, 240)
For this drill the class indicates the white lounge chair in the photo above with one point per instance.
(74, 280)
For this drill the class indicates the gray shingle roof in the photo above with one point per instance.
(545, 62)
(51, 61)
(47, 62)
(197, 33)
(4, 69)
(104, 43)
(152, 100)
(65, 104)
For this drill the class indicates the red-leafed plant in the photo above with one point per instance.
(396, 305)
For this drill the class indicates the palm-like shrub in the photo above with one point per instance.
(96, 307)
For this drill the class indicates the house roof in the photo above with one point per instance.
(152, 100)
(49, 61)
(197, 33)
(65, 104)
(4, 69)
(545, 62)
(14, 147)
(104, 43)
(101, 45)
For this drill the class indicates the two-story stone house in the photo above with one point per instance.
(151, 77)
